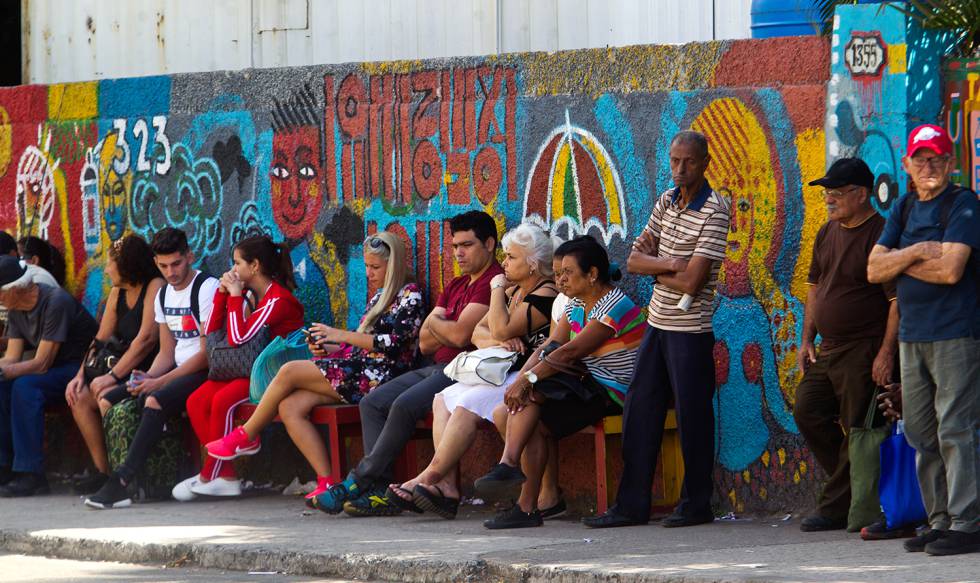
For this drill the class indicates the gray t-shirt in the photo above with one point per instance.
(57, 317)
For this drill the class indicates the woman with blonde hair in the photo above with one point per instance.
(346, 364)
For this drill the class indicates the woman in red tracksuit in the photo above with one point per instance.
(266, 269)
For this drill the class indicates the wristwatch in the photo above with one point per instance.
(531, 377)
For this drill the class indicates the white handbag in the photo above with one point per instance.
(486, 366)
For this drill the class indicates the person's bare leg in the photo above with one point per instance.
(457, 437)
(294, 411)
(293, 376)
(440, 417)
(500, 417)
(521, 427)
(86, 414)
(550, 494)
(533, 464)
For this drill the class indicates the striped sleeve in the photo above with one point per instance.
(713, 240)
(242, 329)
(216, 319)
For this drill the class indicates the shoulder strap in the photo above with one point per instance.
(199, 280)
(163, 297)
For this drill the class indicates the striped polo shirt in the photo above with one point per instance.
(699, 229)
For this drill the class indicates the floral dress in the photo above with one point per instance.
(354, 371)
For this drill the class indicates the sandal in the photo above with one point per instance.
(436, 503)
(394, 494)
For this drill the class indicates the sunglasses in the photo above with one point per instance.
(376, 243)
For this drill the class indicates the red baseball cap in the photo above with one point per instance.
(929, 136)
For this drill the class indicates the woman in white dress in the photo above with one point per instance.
(519, 319)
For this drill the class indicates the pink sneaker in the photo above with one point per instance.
(323, 484)
(233, 445)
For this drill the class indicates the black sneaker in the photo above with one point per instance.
(554, 511)
(611, 518)
(918, 544)
(6, 474)
(502, 482)
(24, 484)
(677, 520)
(89, 484)
(373, 502)
(955, 543)
(112, 494)
(514, 518)
(818, 523)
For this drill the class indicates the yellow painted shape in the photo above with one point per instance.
(563, 158)
(324, 253)
(763, 493)
(73, 101)
(6, 132)
(732, 498)
(796, 477)
(782, 455)
(765, 458)
(810, 147)
(608, 179)
(803, 467)
(897, 59)
(746, 476)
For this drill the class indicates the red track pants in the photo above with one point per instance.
(211, 409)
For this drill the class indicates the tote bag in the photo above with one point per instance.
(901, 499)
(277, 353)
(863, 449)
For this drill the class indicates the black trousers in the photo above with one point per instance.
(679, 364)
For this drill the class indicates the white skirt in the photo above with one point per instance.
(478, 399)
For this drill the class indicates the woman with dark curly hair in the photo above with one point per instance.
(128, 319)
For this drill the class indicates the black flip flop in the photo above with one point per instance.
(435, 503)
(404, 504)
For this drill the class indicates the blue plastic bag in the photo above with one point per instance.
(277, 353)
(898, 488)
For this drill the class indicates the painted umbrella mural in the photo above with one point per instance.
(574, 186)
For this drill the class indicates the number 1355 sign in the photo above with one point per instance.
(865, 54)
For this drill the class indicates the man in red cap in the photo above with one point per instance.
(858, 325)
(931, 242)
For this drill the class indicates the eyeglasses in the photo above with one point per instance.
(936, 162)
(838, 194)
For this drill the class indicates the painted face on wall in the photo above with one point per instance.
(113, 190)
(35, 193)
(296, 184)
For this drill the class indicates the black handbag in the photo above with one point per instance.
(226, 362)
(101, 357)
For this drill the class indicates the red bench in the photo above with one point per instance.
(344, 421)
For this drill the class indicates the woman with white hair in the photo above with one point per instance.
(519, 319)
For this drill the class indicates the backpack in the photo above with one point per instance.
(168, 462)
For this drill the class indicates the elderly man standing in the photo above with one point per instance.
(683, 245)
(858, 324)
(931, 242)
(50, 322)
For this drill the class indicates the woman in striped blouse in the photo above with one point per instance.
(580, 376)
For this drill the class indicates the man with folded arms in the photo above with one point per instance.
(930, 243)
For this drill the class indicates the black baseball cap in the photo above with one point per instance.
(11, 269)
(847, 172)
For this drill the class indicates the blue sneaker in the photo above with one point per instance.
(332, 501)
(373, 502)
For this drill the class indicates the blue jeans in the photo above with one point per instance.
(22, 402)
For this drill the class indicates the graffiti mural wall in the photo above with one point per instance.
(574, 142)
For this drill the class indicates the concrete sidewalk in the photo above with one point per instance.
(276, 533)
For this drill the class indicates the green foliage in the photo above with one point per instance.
(960, 17)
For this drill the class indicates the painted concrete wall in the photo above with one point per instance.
(574, 141)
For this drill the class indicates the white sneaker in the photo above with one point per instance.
(182, 492)
(218, 487)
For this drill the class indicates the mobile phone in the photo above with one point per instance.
(310, 336)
